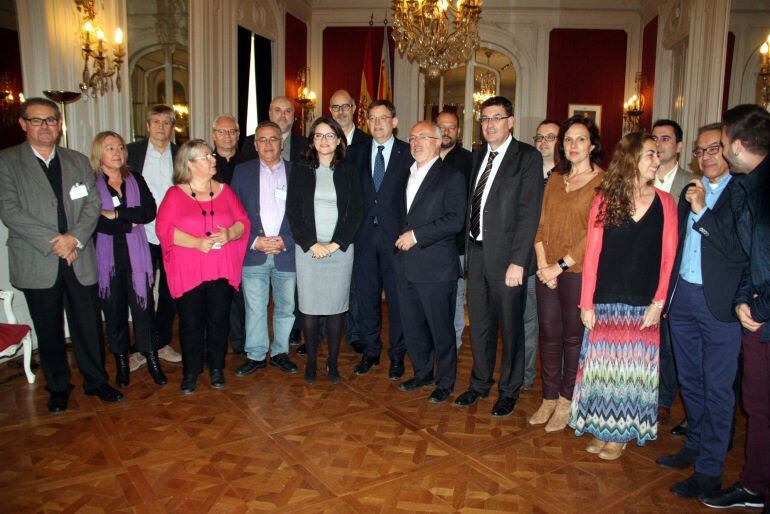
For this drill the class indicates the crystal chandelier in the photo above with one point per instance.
(763, 78)
(487, 89)
(421, 29)
(97, 68)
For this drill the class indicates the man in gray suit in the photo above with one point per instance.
(50, 205)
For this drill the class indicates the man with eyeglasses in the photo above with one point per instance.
(427, 263)
(383, 168)
(503, 215)
(261, 185)
(343, 110)
(546, 136)
(281, 113)
(153, 158)
(705, 334)
(224, 139)
(49, 202)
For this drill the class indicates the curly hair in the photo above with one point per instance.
(617, 188)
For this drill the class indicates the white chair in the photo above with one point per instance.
(13, 336)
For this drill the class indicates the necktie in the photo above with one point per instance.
(379, 168)
(478, 193)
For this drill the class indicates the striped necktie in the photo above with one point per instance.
(478, 193)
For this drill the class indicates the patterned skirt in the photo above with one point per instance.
(616, 389)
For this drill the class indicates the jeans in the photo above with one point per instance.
(531, 332)
(460, 306)
(256, 282)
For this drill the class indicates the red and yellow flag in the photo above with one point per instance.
(367, 84)
(384, 87)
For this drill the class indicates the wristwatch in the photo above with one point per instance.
(658, 304)
(563, 265)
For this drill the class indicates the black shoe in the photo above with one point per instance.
(503, 406)
(333, 374)
(249, 367)
(122, 373)
(58, 400)
(396, 370)
(282, 362)
(414, 383)
(683, 459)
(106, 393)
(439, 395)
(696, 485)
(188, 384)
(680, 429)
(468, 398)
(734, 496)
(363, 367)
(154, 369)
(301, 350)
(217, 378)
(357, 346)
(295, 336)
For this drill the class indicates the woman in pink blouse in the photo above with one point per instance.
(200, 223)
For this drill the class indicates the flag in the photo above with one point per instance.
(367, 87)
(384, 89)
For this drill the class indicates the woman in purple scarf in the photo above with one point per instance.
(123, 255)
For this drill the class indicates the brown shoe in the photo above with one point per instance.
(558, 421)
(543, 413)
(595, 446)
(168, 354)
(612, 451)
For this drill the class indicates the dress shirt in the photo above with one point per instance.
(349, 135)
(385, 151)
(158, 172)
(416, 176)
(271, 208)
(690, 269)
(46, 161)
(286, 150)
(490, 180)
(668, 180)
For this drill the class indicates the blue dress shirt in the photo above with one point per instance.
(385, 151)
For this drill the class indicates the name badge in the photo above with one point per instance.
(116, 201)
(216, 246)
(78, 191)
(280, 194)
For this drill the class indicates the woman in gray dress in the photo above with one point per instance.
(324, 208)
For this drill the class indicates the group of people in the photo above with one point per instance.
(630, 277)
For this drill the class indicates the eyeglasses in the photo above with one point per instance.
(211, 155)
(226, 132)
(493, 119)
(329, 136)
(548, 137)
(709, 150)
(271, 139)
(341, 107)
(421, 138)
(383, 118)
(49, 121)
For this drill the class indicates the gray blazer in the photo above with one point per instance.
(28, 209)
(682, 177)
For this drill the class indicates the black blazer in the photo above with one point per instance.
(384, 205)
(462, 160)
(512, 210)
(299, 145)
(723, 260)
(359, 136)
(137, 151)
(301, 212)
(436, 216)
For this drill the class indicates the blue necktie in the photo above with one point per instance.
(379, 168)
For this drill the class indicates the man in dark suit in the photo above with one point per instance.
(460, 159)
(383, 168)
(153, 158)
(282, 114)
(427, 263)
(224, 139)
(705, 334)
(503, 214)
(49, 202)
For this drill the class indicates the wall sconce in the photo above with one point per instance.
(305, 98)
(763, 79)
(98, 69)
(9, 101)
(634, 108)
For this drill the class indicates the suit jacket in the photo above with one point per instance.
(436, 216)
(512, 210)
(301, 211)
(299, 145)
(722, 258)
(245, 184)
(682, 177)
(28, 208)
(137, 151)
(359, 136)
(384, 205)
(462, 160)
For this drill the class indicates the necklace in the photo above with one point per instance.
(576, 174)
(203, 211)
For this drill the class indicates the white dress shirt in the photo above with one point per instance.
(349, 135)
(495, 166)
(46, 161)
(668, 179)
(385, 151)
(158, 172)
(416, 176)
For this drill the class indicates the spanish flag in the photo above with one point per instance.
(384, 88)
(367, 87)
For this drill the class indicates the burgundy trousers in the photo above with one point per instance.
(756, 401)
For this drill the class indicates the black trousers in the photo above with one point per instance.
(165, 310)
(491, 303)
(238, 322)
(204, 323)
(81, 305)
(427, 314)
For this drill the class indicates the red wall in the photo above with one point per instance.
(649, 52)
(296, 57)
(589, 67)
(343, 49)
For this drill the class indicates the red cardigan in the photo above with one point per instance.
(594, 249)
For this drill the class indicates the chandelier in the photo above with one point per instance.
(487, 89)
(633, 108)
(763, 78)
(98, 70)
(421, 29)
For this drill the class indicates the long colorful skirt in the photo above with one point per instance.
(616, 389)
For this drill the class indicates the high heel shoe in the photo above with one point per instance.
(595, 446)
(612, 451)
(333, 373)
(153, 367)
(121, 369)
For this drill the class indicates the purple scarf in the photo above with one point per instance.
(136, 240)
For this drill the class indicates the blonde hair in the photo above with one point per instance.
(97, 150)
(189, 151)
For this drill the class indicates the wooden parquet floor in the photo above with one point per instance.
(269, 442)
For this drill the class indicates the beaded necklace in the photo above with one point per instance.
(203, 211)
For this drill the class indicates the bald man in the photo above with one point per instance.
(294, 146)
(343, 109)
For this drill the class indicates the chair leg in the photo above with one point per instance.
(27, 348)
